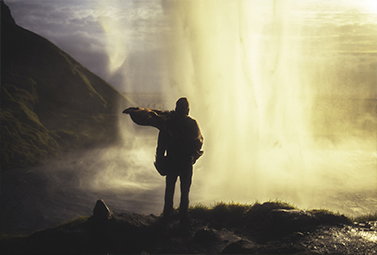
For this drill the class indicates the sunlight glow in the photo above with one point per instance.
(249, 79)
(368, 5)
(252, 70)
(282, 90)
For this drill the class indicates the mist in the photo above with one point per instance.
(285, 112)
(284, 94)
(285, 99)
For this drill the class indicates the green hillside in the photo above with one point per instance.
(49, 101)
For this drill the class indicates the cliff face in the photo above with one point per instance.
(49, 101)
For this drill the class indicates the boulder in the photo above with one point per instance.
(101, 212)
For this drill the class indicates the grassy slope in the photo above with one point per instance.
(24, 140)
(49, 102)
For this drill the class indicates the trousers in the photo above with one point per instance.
(185, 177)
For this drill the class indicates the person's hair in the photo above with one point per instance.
(182, 106)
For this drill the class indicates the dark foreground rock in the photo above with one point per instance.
(277, 231)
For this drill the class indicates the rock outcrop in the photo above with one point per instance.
(299, 232)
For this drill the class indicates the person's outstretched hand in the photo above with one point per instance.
(130, 109)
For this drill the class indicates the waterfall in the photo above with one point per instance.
(255, 82)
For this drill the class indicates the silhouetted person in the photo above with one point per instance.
(178, 147)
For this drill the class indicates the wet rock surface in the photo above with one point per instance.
(359, 238)
(122, 233)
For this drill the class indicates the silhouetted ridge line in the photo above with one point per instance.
(49, 101)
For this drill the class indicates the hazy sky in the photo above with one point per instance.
(83, 28)
(92, 30)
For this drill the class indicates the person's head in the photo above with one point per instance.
(182, 106)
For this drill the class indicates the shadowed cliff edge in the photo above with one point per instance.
(49, 101)
(268, 228)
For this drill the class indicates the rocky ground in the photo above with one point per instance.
(276, 231)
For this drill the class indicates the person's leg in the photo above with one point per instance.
(185, 179)
(169, 195)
